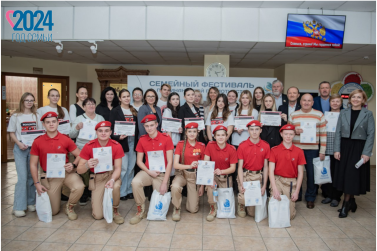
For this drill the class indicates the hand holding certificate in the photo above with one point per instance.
(55, 165)
(332, 120)
(28, 137)
(253, 194)
(205, 173)
(171, 125)
(270, 118)
(87, 131)
(105, 159)
(156, 161)
(200, 122)
(241, 122)
(309, 132)
(124, 128)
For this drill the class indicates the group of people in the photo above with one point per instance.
(273, 155)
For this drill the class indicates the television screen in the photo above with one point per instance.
(315, 31)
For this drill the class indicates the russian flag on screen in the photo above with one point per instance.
(317, 31)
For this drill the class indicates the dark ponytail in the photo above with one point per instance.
(61, 113)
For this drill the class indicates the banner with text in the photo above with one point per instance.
(180, 83)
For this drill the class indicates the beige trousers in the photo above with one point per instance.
(141, 180)
(223, 181)
(54, 189)
(247, 176)
(284, 187)
(185, 178)
(97, 184)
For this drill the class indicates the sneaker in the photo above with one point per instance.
(212, 212)
(124, 198)
(117, 218)
(176, 214)
(31, 208)
(241, 210)
(140, 214)
(69, 210)
(19, 213)
(326, 201)
(83, 200)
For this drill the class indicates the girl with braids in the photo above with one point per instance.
(63, 116)
(24, 119)
(220, 116)
(172, 112)
(187, 154)
(125, 112)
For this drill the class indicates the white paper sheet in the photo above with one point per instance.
(270, 118)
(205, 174)
(171, 125)
(242, 121)
(156, 161)
(124, 128)
(87, 131)
(309, 132)
(105, 159)
(253, 193)
(332, 121)
(55, 165)
(28, 137)
(200, 122)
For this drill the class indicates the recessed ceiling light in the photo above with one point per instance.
(366, 58)
(70, 52)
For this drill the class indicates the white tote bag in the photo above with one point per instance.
(278, 213)
(261, 211)
(225, 203)
(43, 207)
(108, 205)
(322, 172)
(159, 206)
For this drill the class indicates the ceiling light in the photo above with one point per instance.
(59, 48)
(93, 48)
(366, 58)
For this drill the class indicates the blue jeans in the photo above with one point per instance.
(311, 188)
(128, 165)
(24, 193)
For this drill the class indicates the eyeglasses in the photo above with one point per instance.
(150, 96)
(28, 101)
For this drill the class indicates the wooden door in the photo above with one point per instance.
(88, 86)
(47, 83)
(4, 124)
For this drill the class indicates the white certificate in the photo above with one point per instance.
(28, 137)
(87, 131)
(171, 125)
(309, 132)
(241, 122)
(55, 165)
(64, 126)
(332, 120)
(253, 193)
(200, 122)
(124, 128)
(105, 159)
(270, 118)
(205, 173)
(156, 161)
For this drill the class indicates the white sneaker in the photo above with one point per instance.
(31, 208)
(19, 213)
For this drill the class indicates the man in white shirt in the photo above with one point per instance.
(277, 90)
(165, 91)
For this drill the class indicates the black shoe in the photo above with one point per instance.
(64, 198)
(130, 196)
(83, 200)
(326, 201)
(334, 203)
(124, 198)
(344, 211)
(353, 205)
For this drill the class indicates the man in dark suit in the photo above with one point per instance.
(277, 91)
(292, 105)
(322, 102)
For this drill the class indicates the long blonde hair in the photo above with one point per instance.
(21, 106)
(263, 107)
(251, 107)
(61, 113)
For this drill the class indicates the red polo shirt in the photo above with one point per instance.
(161, 142)
(287, 160)
(87, 151)
(253, 155)
(222, 157)
(192, 153)
(43, 145)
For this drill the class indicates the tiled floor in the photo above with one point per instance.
(316, 229)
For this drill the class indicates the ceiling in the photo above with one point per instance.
(242, 54)
(327, 5)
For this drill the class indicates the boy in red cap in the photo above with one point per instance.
(225, 157)
(53, 142)
(101, 180)
(153, 145)
(253, 155)
(286, 168)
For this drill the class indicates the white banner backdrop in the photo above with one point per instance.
(180, 83)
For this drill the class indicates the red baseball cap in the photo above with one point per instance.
(148, 118)
(220, 127)
(192, 125)
(254, 123)
(49, 115)
(287, 127)
(103, 124)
